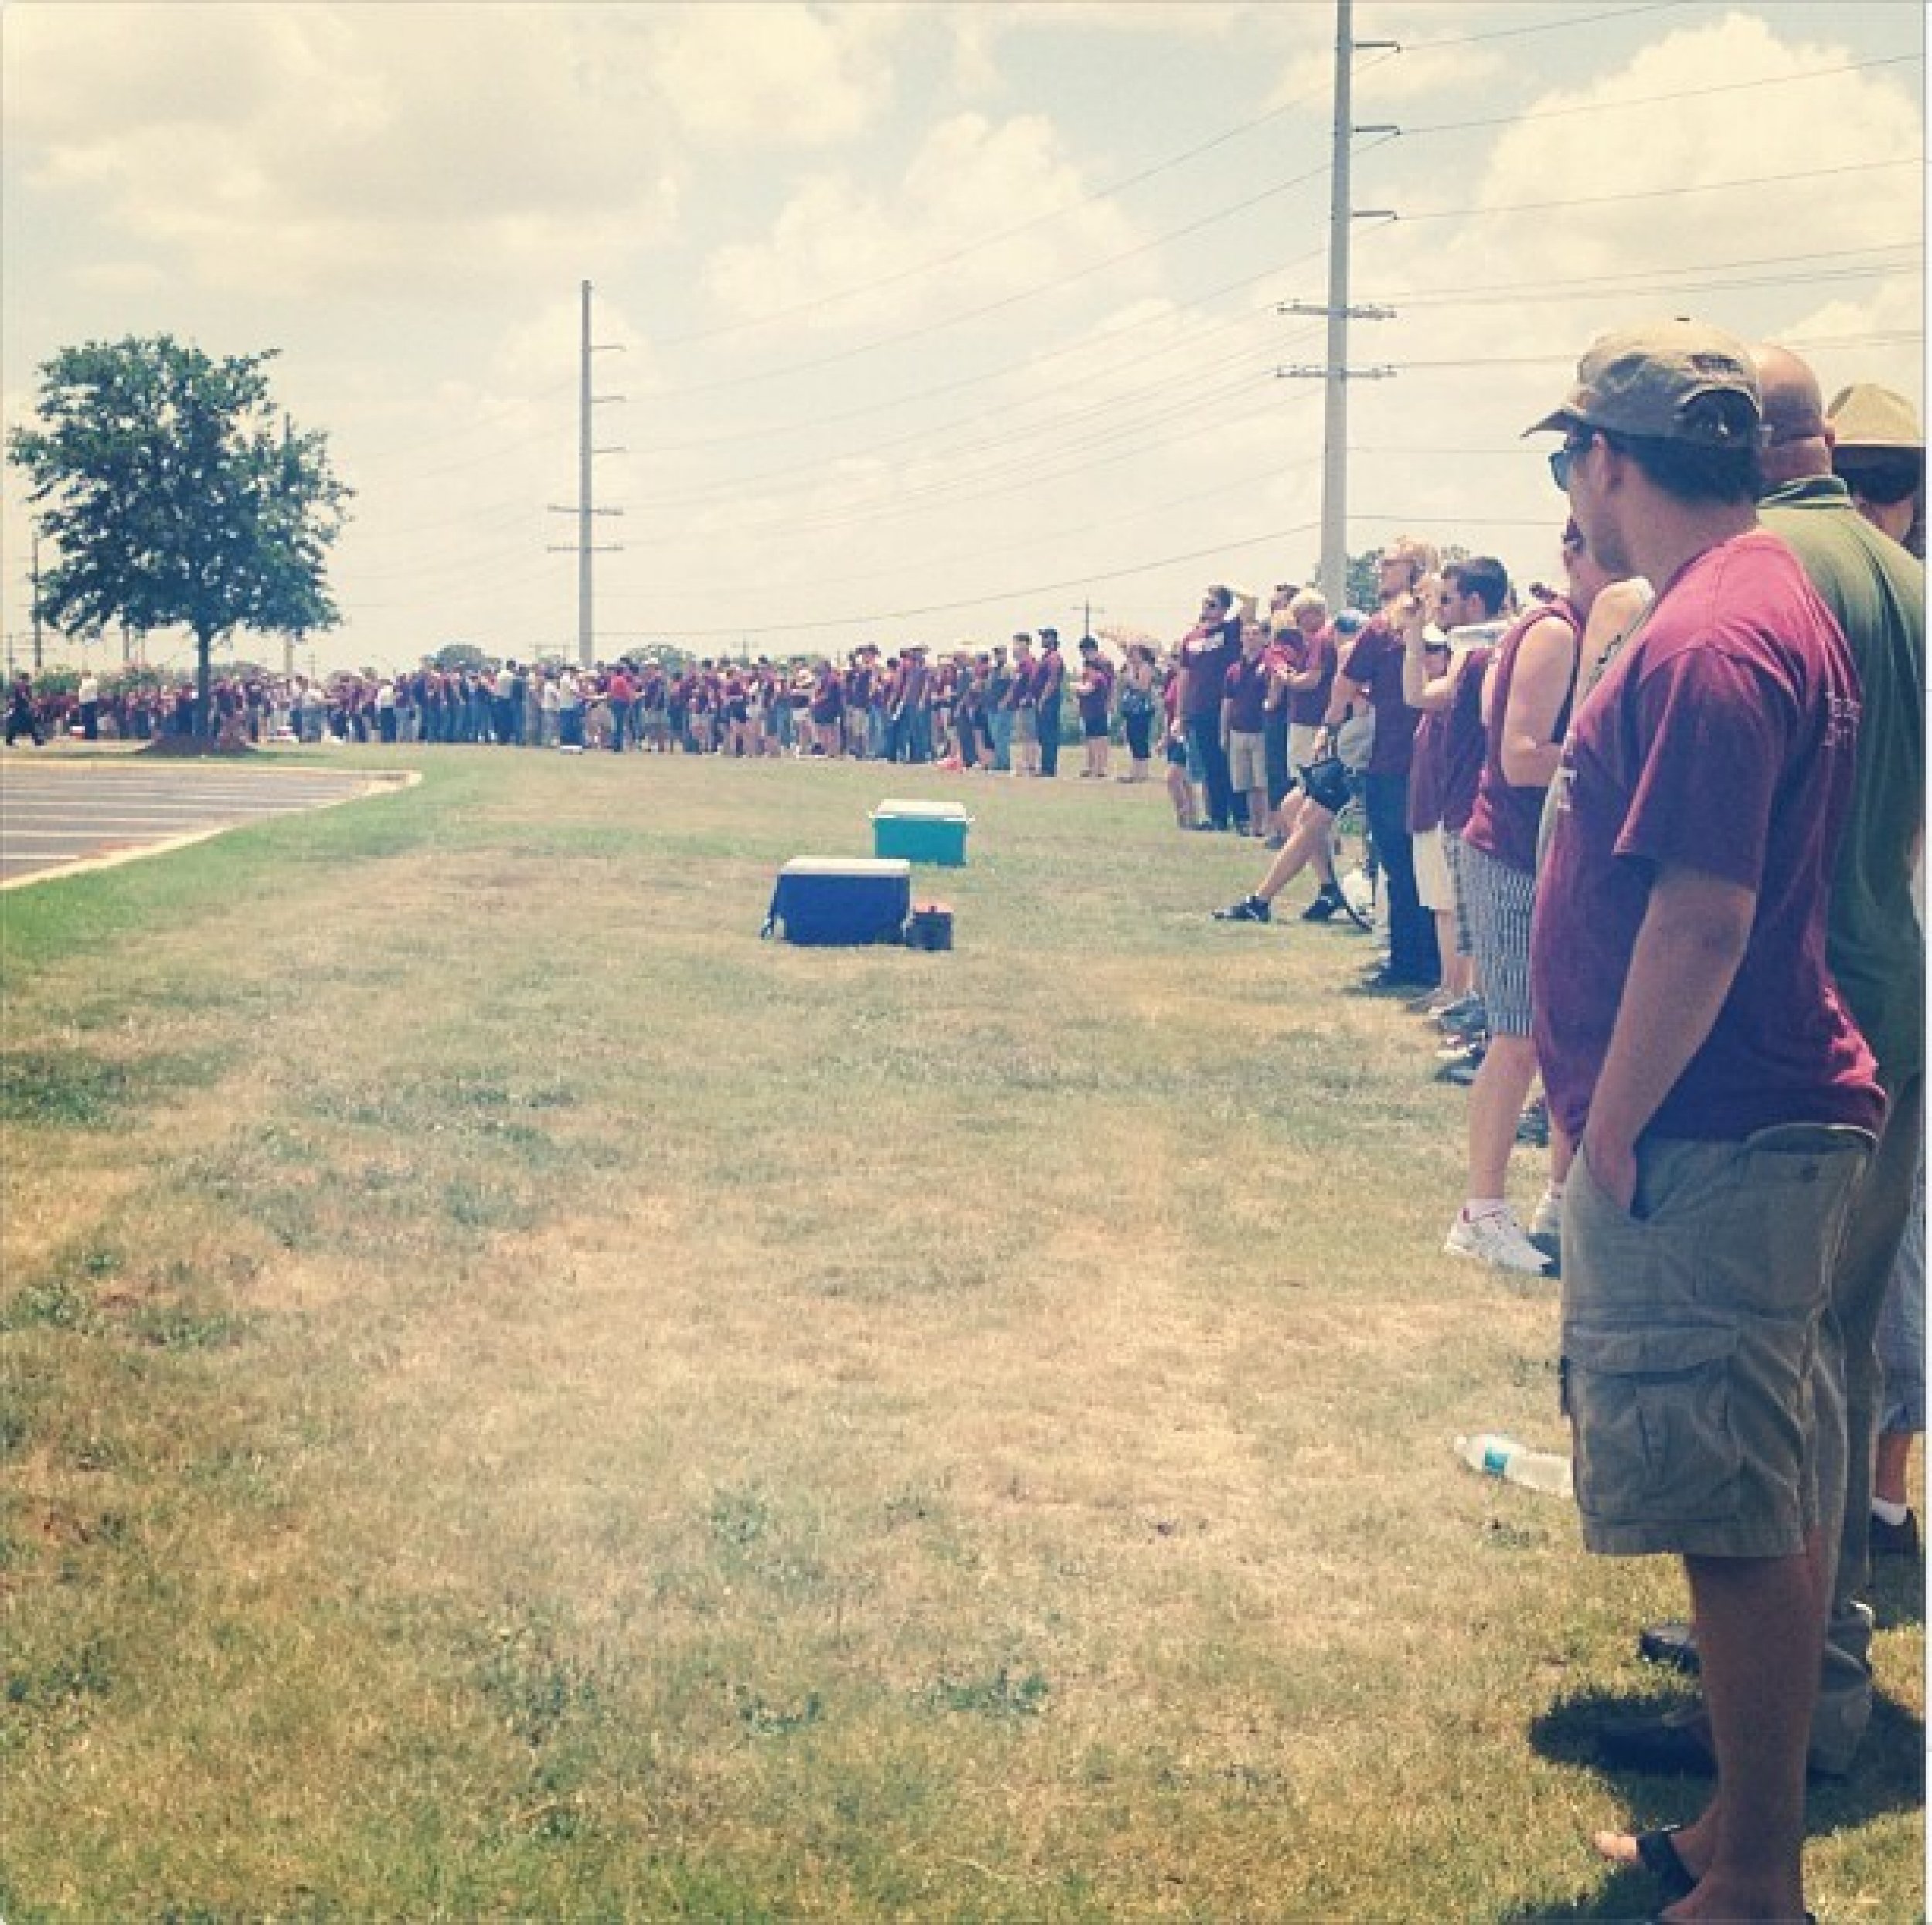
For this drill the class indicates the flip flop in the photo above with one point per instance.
(1658, 1857)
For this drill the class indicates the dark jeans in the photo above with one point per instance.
(1412, 929)
(1049, 736)
(1204, 738)
(1274, 747)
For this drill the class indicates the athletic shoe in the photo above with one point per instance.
(1547, 1232)
(1327, 903)
(1389, 982)
(1496, 1240)
(1895, 1540)
(1465, 1017)
(1249, 909)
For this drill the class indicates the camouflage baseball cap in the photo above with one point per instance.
(1646, 382)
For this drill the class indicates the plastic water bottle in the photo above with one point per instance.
(1501, 1456)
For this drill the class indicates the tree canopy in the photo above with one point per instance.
(176, 495)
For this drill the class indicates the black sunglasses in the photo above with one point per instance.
(1564, 458)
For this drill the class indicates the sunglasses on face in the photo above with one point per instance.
(1564, 458)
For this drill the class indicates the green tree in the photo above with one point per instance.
(177, 496)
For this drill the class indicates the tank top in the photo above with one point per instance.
(1503, 823)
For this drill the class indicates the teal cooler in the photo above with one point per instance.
(921, 832)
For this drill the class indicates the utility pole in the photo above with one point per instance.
(1334, 372)
(36, 598)
(585, 510)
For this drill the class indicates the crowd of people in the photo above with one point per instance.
(1655, 837)
(1661, 830)
(1651, 837)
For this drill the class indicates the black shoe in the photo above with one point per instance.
(1895, 1540)
(1389, 982)
(1327, 903)
(1249, 909)
(1672, 1744)
(1673, 1644)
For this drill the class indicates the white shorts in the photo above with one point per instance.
(1247, 759)
(1433, 887)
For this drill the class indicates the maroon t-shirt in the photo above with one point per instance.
(1465, 741)
(1505, 820)
(1306, 706)
(1376, 665)
(1208, 654)
(1723, 739)
(1096, 693)
(1426, 771)
(1246, 689)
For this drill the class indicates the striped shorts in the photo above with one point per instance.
(1498, 899)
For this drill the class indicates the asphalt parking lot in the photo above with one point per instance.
(61, 813)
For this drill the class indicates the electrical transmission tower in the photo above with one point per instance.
(1335, 371)
(586, 509)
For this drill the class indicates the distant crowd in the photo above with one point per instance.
(1649, 837)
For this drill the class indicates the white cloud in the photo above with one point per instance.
(343, 150)
(761, 75)
(970, 180)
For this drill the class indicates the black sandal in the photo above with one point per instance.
(1658, 1857)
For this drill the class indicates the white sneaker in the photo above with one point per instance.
(1497, 1239)
(1549, 1219)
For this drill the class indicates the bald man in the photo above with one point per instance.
(1876, 952)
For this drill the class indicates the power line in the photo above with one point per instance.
(1655, 99)
(1114, 189)
(1656, 193)
(1221, 550)
(1541, 26)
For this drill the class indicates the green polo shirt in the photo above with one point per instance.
(1877, 591)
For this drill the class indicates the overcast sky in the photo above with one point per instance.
(936, 321)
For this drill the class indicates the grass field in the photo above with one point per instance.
(520, 1399)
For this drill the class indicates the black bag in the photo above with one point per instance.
(1327, 784)
(930, 926)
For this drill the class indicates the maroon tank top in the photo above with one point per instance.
(1503, 822)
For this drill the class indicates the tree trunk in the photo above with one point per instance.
(204, 650)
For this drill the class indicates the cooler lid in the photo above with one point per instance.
(900, 811)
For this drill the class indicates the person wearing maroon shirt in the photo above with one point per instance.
(916, 705)
(1243, 721)
(1094, 694)
(1695, 1047)
(1049, 690)
(1443, 668)
(827, 711)
(1374, 674)
(618, 692)
(1021, 704)
(1526, 713)
(1207, 651)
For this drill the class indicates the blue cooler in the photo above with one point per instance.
(921, 832)
(823, 900)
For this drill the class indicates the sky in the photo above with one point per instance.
(926, 323)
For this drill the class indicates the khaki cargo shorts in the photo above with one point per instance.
(1690, 1335)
